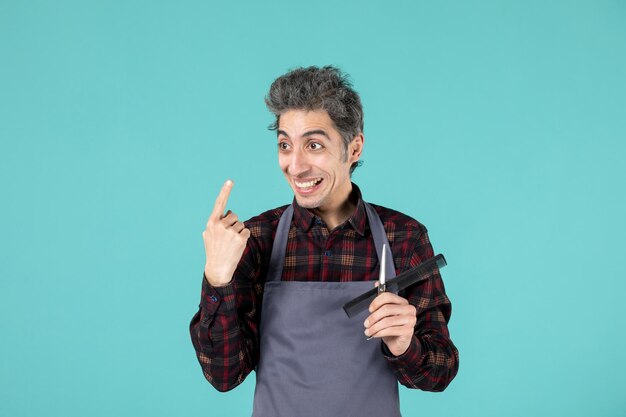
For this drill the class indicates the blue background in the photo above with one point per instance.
(500, 125)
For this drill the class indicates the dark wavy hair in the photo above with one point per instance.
(314, 88)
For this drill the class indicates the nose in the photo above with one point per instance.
(298, 165)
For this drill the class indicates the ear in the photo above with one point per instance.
(356, 148)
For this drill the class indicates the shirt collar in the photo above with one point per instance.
(305, 219)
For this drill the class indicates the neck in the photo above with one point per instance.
(338, 213)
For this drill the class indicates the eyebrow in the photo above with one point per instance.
(309, 133)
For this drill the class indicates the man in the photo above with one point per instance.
(273, 286)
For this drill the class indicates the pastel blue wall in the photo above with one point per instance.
(499, 125)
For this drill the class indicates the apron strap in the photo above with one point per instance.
(279, 247)
(380, 238)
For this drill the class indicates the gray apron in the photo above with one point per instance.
(314, 360)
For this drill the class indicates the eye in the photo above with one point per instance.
(315, 146)
(283, 146)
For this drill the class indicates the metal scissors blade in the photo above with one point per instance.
(382, 274)
(383, 271)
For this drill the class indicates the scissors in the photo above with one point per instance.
(382, 275)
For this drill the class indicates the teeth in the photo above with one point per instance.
(307, 184)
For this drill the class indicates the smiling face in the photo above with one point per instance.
(313, 159)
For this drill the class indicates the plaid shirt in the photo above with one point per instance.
(225, 330)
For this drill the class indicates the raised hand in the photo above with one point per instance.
(225, 239)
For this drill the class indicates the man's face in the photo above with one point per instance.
(311, 154)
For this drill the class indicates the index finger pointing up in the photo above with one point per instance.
(222, 199)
